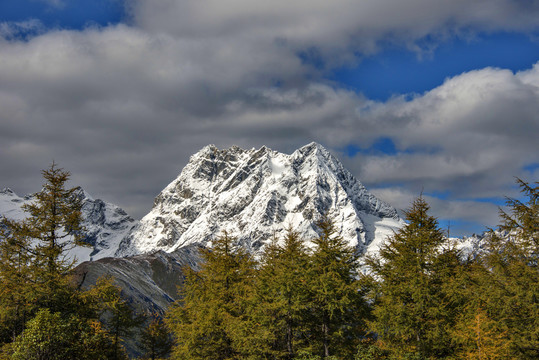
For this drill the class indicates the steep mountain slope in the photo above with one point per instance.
(149, 282)
(106, 224)
(256, 194)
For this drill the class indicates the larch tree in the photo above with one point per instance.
(412, 312)
(282, 296)
(16, 280)
(211, 319)
(156, 339)
(53, 225)
(338, 309)
(511, 281)
(479, 337)
(33, 268)
(38, 296)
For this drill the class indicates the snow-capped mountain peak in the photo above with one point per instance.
(106, 224)
(255, 194)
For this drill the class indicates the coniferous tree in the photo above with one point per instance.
(480, 337)
(16, 281)
(211, 320)
(37, 288)
(281, 303)
(510, 282)
(53, 225)
(117, 316)
(51, 336)
(54, 221)
(338, 310)
(414, 310)
(156, 339)
(32, 267)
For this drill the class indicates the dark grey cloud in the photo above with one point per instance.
(123, 107)
(332, 27)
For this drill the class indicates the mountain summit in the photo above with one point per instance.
(256, 194)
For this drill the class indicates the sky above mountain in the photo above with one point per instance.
(413, 96)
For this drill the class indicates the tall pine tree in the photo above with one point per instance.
(281, 302)
(338, 310)
(33, 268)
(52, 227)
(211, 319)
(36, 286)
(413, 311)
(16, 279)
(510, 282)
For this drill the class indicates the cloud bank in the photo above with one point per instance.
(124, 106)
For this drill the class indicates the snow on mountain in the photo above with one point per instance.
(106, 224)
(11, 203)
(256, 194)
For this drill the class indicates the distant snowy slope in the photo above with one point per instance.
(106, 224)
(254, 194)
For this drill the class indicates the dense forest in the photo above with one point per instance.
(418, 298)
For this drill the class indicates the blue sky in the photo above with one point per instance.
(411, 95)
(397, 71)
(72, 14)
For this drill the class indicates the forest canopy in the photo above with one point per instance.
(420, 297)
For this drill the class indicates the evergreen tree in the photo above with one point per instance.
(338, 311)
(414, 308)
(51, 336)
(480, 337)
(281, 303)
(211, 320)
(522, 222)
(38, 295)
(16, 281)
(32, 266)
(118, 317)
(510, 282)
(53, 225)
(156, 339)
(54, 222)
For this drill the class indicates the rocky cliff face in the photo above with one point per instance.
(106, 225)
(256, 194)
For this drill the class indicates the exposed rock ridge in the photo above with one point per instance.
(254, 194)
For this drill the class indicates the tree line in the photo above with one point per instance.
(418, 298)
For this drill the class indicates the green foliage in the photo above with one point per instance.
(32, 266)
(369, 349)
(522, 221)
(16, 280)
(424, 302)
(43, 314)
(338, 310)
(291, 305)
(54, 222)
(414, 306)
(118, 317)
(211, 321)
(53, 337)
(306, 355)
(156, 339)
(282, 296)
(509, 286)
